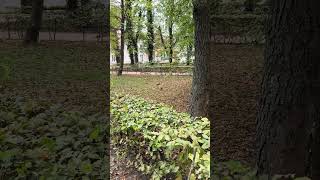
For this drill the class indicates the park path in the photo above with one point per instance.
(152, 73)
(60, 36)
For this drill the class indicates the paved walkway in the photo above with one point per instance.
(152, 73)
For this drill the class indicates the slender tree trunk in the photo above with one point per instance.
(129, 30)
(200, 84)
(122, 39)
(162, 41)
(288, 140)
(150, 35)
(32, 35)
(136, 52)
(131, 55)
(189, 53)
(118, 49)
(170, 30)
(136, 40)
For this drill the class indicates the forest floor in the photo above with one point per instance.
(68, 73)
(74, 74)
(236, 78)
(57, 72)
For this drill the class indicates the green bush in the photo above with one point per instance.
(162, 140)
(41, 142)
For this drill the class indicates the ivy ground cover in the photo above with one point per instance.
(160, 141)
(48, 142)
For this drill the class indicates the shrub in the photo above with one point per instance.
(42, 142)
(162, 140)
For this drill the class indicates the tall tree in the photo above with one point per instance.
(288, 121)
(115, 23)
(168, 10)
(129, 29)
(32, 35)
(200, 83)
(122, 38)
(137, 36)
(150, 30)
(133, 28)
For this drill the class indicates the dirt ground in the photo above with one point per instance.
(236, 76)
(70, 73)
(170, 90)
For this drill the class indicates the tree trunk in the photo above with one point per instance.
(32, 35)
(136, 40)
(129, 30)
(150, 35)
(289, 108)
(200, 84)
(118, 49)
(189, 53)
(170, 29)
(122, 39)
(136, 52)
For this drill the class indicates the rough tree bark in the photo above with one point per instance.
(289, 108)
(122, 39)
(107, 84)
(150, 35)
(32, 34)
(200, 83)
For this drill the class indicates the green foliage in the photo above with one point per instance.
(161, 139)
(179, 14)
(40, 142)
